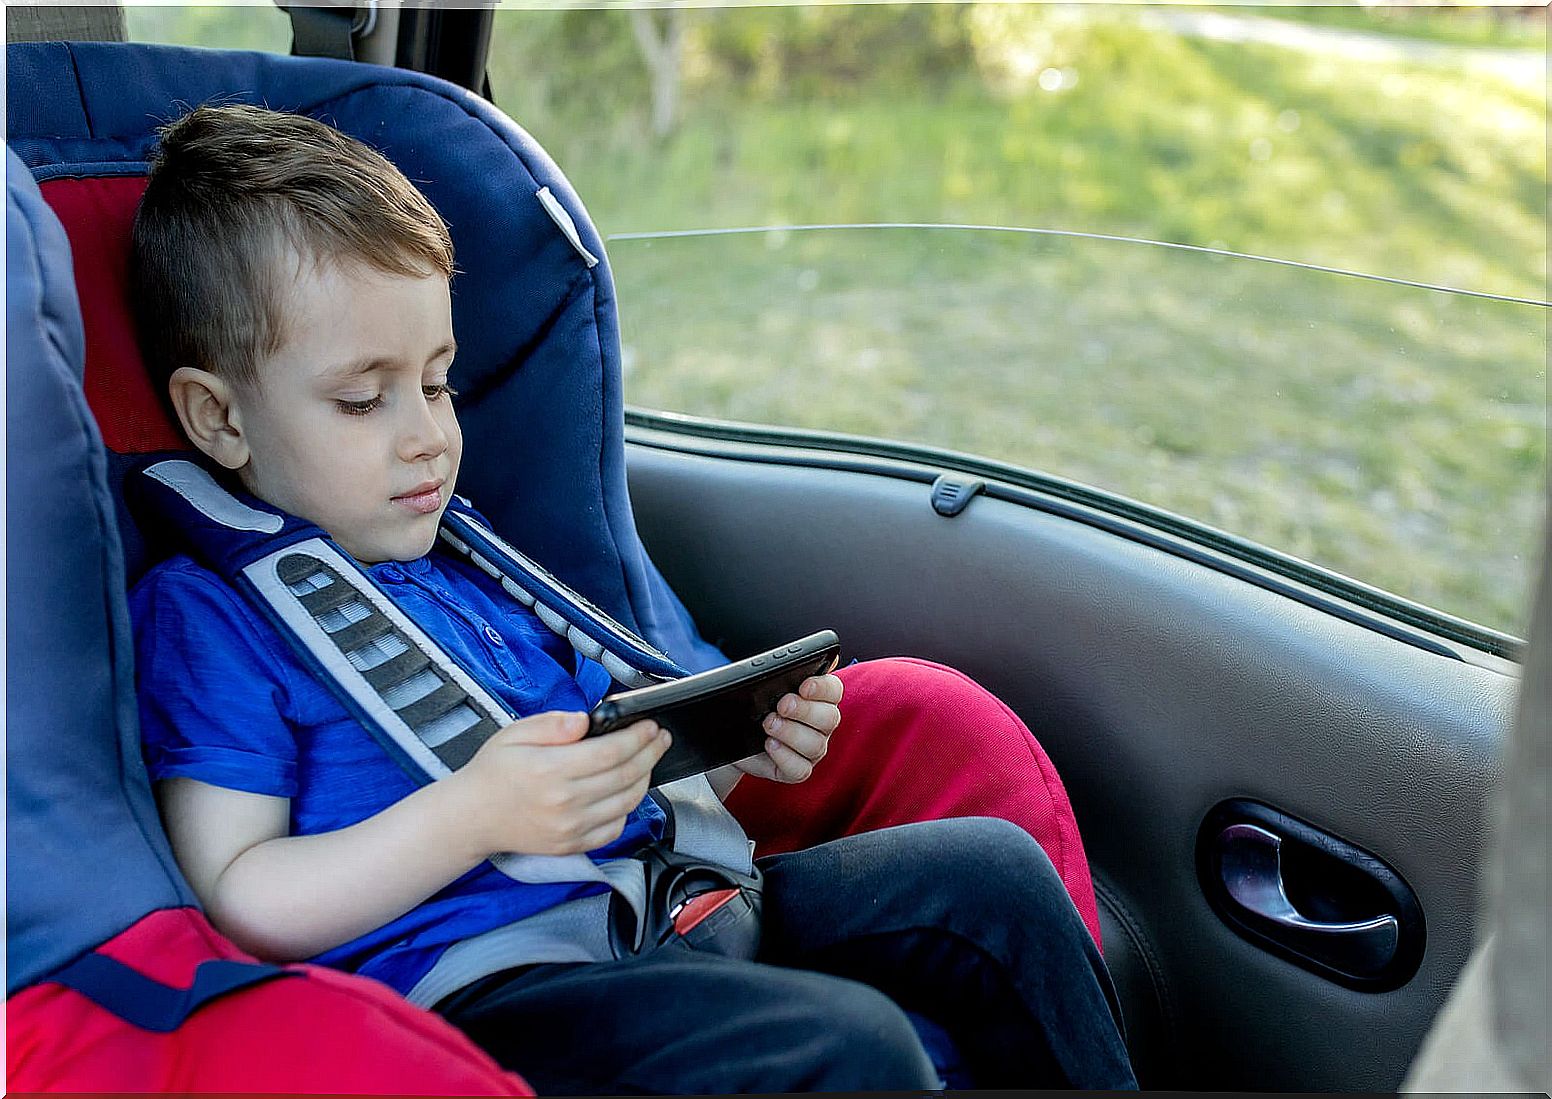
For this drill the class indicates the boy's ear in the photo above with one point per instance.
(205, 407)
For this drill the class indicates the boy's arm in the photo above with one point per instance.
(289, 897)
(536, 786)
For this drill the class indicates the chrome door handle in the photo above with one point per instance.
(1252, 870)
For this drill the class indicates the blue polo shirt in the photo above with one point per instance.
(224, 700)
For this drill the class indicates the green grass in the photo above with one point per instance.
(1406, 171)
(236, 27)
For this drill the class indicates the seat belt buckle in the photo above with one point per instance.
(691, 913)
(719, 921)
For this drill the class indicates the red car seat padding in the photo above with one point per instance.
(97, 215)
(317, 1031)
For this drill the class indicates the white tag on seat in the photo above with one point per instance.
(561, 217)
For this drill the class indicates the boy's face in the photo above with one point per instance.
(350, 424)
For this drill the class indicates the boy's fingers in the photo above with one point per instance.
(600, 785)
(790, 766)
(604, 835)
(822, 688)
(620, 805)
(824, 716)
(601, 754)
(551, 727)
(801, 739)
(760, 766)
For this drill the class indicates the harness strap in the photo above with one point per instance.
(576, 931)
(149, 1004)
(357, 630)
(351, 631)
(589, 630)
(701, 825)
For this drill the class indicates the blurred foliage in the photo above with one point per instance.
(1397, 436)
(577, 64)
(235, 27)
(1014, 46)
(812, 52)
(1061, 116)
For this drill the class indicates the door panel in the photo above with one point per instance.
(1160, 687)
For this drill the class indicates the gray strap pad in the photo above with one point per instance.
(432, 712)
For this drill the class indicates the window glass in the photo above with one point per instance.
(1394, 433)
(246, 26)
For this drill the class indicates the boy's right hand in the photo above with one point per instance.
(537, 787)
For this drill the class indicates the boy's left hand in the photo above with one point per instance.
(798, 732)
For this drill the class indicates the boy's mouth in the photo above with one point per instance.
(423, 499)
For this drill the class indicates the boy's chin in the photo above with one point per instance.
(400, 549)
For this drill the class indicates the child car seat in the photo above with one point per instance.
(539, 379)
(114, 980)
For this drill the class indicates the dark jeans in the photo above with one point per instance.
(963, 921)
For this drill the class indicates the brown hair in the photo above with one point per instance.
(235, 193)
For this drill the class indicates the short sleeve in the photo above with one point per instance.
(594, 680)
(212, 687)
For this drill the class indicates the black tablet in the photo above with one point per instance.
(716, 716)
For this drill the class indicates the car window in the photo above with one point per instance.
(959, 225)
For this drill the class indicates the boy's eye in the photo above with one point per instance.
(437, 392)
(359, 408)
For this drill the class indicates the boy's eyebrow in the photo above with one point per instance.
(369, 364)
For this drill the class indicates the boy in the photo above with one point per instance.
(292, 288)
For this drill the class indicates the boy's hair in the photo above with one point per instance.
(236, 194)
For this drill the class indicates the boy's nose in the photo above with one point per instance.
(423, 436)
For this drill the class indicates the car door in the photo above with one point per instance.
(1279, 773)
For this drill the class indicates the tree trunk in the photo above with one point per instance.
(660, 34)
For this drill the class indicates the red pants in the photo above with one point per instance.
(921, 741)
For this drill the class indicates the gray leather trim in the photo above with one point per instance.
(1159, 687)
(1517, 889)
(1140, 984)
(81, 22)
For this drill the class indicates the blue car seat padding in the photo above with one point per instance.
(85, 854)
(152, 1005)
(108, 959)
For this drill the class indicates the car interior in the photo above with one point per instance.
(1286, 791)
